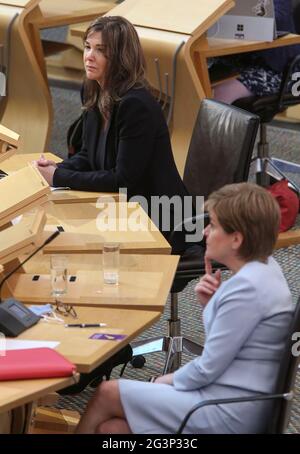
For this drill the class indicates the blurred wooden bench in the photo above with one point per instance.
(289, 238)
(26, 108)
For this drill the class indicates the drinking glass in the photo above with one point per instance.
(111, 260)
(59, 274)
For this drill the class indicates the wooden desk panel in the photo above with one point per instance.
(19, 3)
(87, 227)
(219, 47)
(20, 160)
(89, 353)
(173, 15)
(144, 282)
(287, 239)
(30, 123)
(55, 13)
(72, 196)
(20, 392)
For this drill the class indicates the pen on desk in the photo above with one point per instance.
(85, 325)
(60, 188)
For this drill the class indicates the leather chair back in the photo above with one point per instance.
(221, 147)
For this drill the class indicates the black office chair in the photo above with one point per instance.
(283, 392)
(219, 153)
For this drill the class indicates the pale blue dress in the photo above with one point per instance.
(246, 324)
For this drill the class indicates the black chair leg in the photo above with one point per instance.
(267, 167)
(177, 345)
(262, 177)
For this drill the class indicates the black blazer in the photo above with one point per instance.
(137, 152)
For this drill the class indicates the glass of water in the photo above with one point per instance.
(111, 260)
(59, 274)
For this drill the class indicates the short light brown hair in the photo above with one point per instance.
(251, 210)
(125, 63)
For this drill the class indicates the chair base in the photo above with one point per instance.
(267, 166)
(172, 346)
(275, 168)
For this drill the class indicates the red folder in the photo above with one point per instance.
(34, 363)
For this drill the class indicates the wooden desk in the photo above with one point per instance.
(89, 353)
(20, 160)
(20, 392)
(87, 226)
(144, 283)
(77, 347)
(27, 107)
(289, 238)
(55, 13)
(17, 399)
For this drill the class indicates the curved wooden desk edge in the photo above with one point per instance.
(32, 390)
(32, 124)
(287, 239)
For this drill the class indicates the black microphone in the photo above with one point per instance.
(14, 316)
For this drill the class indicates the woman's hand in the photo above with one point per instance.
(46, 167)
(165, 379)
(42, 162)
(208, 284)
(47, 172)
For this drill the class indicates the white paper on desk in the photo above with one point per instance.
(15, 344)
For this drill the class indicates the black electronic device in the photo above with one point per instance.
(14, 316)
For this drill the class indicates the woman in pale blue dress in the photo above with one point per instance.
(246, 320)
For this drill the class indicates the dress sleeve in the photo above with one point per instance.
(236, 317)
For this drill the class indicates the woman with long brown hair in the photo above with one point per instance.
(125, 142)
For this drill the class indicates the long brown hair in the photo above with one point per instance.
(125, 63)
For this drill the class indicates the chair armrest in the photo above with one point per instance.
(287, 396)
(286, 76)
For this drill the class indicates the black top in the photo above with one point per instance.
(136, 152)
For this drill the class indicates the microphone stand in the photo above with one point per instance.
(15, 317)
(7, 276)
